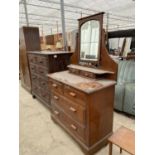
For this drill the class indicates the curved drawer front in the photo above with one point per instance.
(76, 111)
(75, 95)
(70, 124)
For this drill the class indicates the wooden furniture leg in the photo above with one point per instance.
(110, 148)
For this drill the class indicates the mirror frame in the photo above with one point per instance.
(97, 17)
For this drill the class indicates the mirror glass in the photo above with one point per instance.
(89, 41)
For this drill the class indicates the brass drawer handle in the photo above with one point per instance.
(72, 94)
(72, 109)
(56, 97)
(73, 127)
(56, 112)
(54, 85)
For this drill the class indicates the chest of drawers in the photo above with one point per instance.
(83, 107)
(42, 63)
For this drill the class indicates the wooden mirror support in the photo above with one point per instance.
(105, 62)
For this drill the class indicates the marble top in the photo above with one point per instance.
(47, 52)
(92, 70)
(83, 84)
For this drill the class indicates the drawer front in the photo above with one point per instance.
(45, 96)
(74, 71)
(56, 86)
(75, 95)
(42, 71)
(42, 60)
(76, 111)
(35, 79)
(43, 83)
(33, 58)
(35, 89)
(87, 74)
(70, 124)
(32, 68)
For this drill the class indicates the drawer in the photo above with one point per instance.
(42, 60)
(32, 68)
(35, 89)
(70, 124)
(45, 96)
(33, 58)
(76, 111)
(87, 74)
(43, 83)
(56, 86)
(75, 95)
(35, 79)
(74, 71)
(42, 71)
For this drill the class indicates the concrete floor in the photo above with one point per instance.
(39, 135)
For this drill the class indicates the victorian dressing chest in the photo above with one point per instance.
(41, 63)
(82, 97)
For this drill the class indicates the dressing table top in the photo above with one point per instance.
(92, 70)
(83, 84)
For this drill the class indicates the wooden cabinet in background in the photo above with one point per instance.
(42, 63)
(28, 41)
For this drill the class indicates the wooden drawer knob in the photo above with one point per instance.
(56, 97)
(73, 127)
(40, 62)
(56, 112)
(72, 94)
(72, 109)
(54, 85)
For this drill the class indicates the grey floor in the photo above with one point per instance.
(39, 135)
